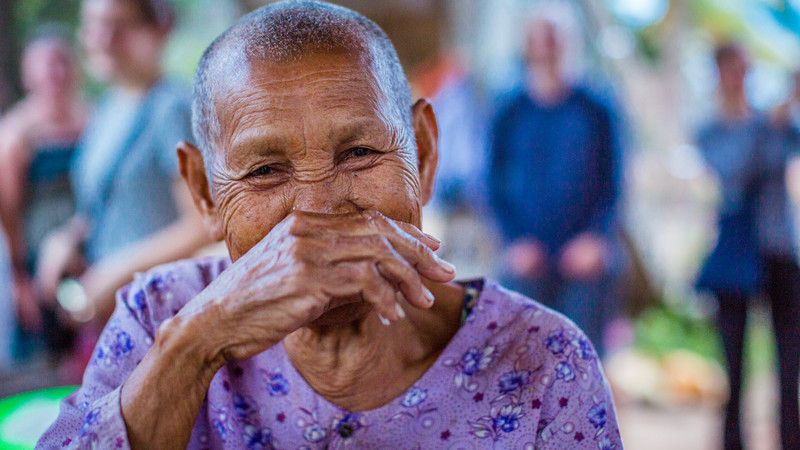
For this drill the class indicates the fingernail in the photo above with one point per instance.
(400, 312)
(428, 295)
(384, 320)
(449, 268)
(433, 238)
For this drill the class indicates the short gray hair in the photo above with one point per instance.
(287, 31)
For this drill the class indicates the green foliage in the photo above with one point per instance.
(28, 14)
(662, 329)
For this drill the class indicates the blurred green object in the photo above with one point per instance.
(24, 417)
(661, 329)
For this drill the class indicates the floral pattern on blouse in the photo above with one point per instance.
(516, 375)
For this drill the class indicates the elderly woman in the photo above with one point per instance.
(333, 322)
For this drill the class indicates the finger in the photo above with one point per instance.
(375, 248)
(363, 279)
(407, 282)
(417, 253)
(421, 257)
(359, 223)
(431, 241)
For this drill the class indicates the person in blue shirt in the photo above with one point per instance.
(754, 253)
(555, 183)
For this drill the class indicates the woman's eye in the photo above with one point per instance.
(359, 152)
(262, 171)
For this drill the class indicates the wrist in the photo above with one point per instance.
(188, 344)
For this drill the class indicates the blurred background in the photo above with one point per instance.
(648, 67)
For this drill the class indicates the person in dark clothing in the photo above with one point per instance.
(555, 184)
(754, 252)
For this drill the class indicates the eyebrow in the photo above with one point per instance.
(358, 128)
(255, 143)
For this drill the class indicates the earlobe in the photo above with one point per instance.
(193, 170)
(426, 133)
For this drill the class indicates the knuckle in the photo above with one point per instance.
(299, 223)
(300, 274)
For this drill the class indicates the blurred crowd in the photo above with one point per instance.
(529, 189)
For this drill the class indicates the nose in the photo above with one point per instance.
(326, 197)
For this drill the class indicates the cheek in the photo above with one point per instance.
(248, 216)
(391, 188)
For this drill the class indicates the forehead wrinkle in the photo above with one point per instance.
(263, 94)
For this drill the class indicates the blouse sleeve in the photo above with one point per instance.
(92, 417)
(578, 413)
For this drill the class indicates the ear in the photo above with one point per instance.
(426, 133)
(193, 170)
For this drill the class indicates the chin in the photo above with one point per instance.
(343, 315)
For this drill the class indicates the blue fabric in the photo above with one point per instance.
(734, 266)
(749, 157)
(132, 198)
(51, 162)
(48, 197)
(555, 170)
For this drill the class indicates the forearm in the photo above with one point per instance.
(162, 397)
(179, 240)
(11, 221)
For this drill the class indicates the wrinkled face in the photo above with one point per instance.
(314, 135)
(119, 43)
(48, 68)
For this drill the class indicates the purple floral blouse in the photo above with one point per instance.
(516, 375)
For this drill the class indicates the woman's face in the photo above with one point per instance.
(120, 45)
(48, 68)
(314, 135)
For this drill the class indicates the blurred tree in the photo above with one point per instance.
(18, 19)
(28, 14)
(8, 73)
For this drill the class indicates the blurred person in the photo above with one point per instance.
(755, 251)
(132, 213)
(37, 141)
(555, 183)
(331, 322)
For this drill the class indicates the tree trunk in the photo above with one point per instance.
(9, 67)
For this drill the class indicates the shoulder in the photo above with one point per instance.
(593, 100)
(170, 97)
(538, 371)
(158, 294)
(508, 103)
(551, 337)
(170, 90)
(14, 128)
(707, 129)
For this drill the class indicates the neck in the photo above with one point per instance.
(364, 364)
(140, 83)
(735, 105)
(54, 108)
(547, 84)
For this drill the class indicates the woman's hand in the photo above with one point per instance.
(59, 257)
(101, 282)
(308, 264)
(583, 258)
(526, 258)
